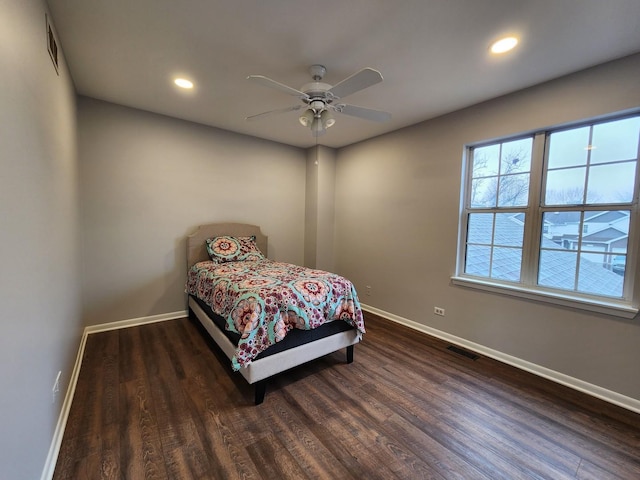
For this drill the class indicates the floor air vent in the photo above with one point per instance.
(463, 352)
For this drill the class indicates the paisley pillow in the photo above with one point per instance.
(234, 249)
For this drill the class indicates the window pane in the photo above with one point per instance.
(514, 190)
(557, 269)
(501, 167)
(508, 230)
(568, 148)
(618, 264)
(562, 230)
(601, 237)
(478, 260)
(480, 228)
(504, 260)
(506, 263)
(483, 192)
(516, 156)
(615, 140)
(596, 278)
(608, 232)
(486, 160)
(611, 183)
(565, 187)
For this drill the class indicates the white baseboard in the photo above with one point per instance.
(54, 449)
(134, 322)
(571, 382)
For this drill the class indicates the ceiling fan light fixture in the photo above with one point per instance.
(306, 119)
(317, 129)
(327, 119)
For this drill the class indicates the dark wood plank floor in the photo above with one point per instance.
(158, 401)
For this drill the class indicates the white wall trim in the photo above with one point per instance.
(134, 322)
(571, 382)
(54, 449)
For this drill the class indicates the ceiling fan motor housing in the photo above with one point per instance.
(317, 106)
(315, 89)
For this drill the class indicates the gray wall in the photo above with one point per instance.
(40, 324)
(146, 181)
(398, 200)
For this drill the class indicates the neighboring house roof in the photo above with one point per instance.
(558, 265)
(562, 218)
(609, 229)
(610, 216)
(559, 268)
(606, 235)
(606, 217)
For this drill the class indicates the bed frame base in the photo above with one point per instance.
(261, 386)
(259, 371)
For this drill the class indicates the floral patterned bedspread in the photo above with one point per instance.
(263, 300)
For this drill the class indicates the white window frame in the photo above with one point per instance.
(625, 307)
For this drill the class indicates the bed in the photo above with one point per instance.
(302, 328)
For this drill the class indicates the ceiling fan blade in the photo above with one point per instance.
(356, 82)
(268, 82)
(274, 112)
(366, 113)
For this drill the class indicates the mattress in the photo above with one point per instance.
(295, 338)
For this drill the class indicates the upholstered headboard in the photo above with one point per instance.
(197, 248)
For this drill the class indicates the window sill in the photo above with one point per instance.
(614, 308)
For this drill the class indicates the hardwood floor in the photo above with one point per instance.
(158, 401)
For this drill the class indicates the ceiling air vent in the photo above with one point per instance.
(52, 45)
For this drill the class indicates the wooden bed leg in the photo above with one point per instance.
(261, 389)
(350, 354)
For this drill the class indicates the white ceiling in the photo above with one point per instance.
(433, 54)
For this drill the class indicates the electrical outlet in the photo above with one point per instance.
(56, 387)
(367, 290)
(438, 311)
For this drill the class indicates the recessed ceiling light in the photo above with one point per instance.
(504, 45)
(183, 83)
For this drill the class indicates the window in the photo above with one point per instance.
(552, 213)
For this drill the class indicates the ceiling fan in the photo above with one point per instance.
(320, 100)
